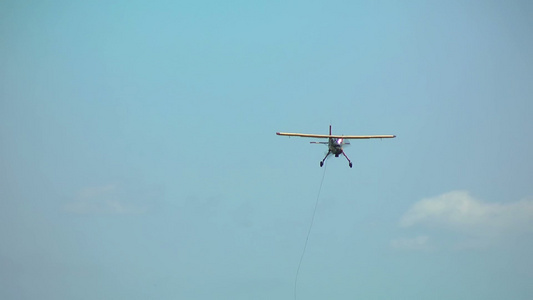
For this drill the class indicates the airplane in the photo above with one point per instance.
(335, 142)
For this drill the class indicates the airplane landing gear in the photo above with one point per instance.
(349, 161)
(322, 162)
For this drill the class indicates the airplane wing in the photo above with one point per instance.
(326, 136)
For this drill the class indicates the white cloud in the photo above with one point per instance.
(459, 211)
(417, 243)
(102, 200)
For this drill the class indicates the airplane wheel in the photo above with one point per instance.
(321, 163)
(350, 165)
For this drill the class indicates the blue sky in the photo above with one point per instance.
(139, 157)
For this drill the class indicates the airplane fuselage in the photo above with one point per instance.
(335, 146)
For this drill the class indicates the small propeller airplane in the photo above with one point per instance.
(335, 142)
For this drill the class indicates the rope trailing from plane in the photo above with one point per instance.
(309, 231)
